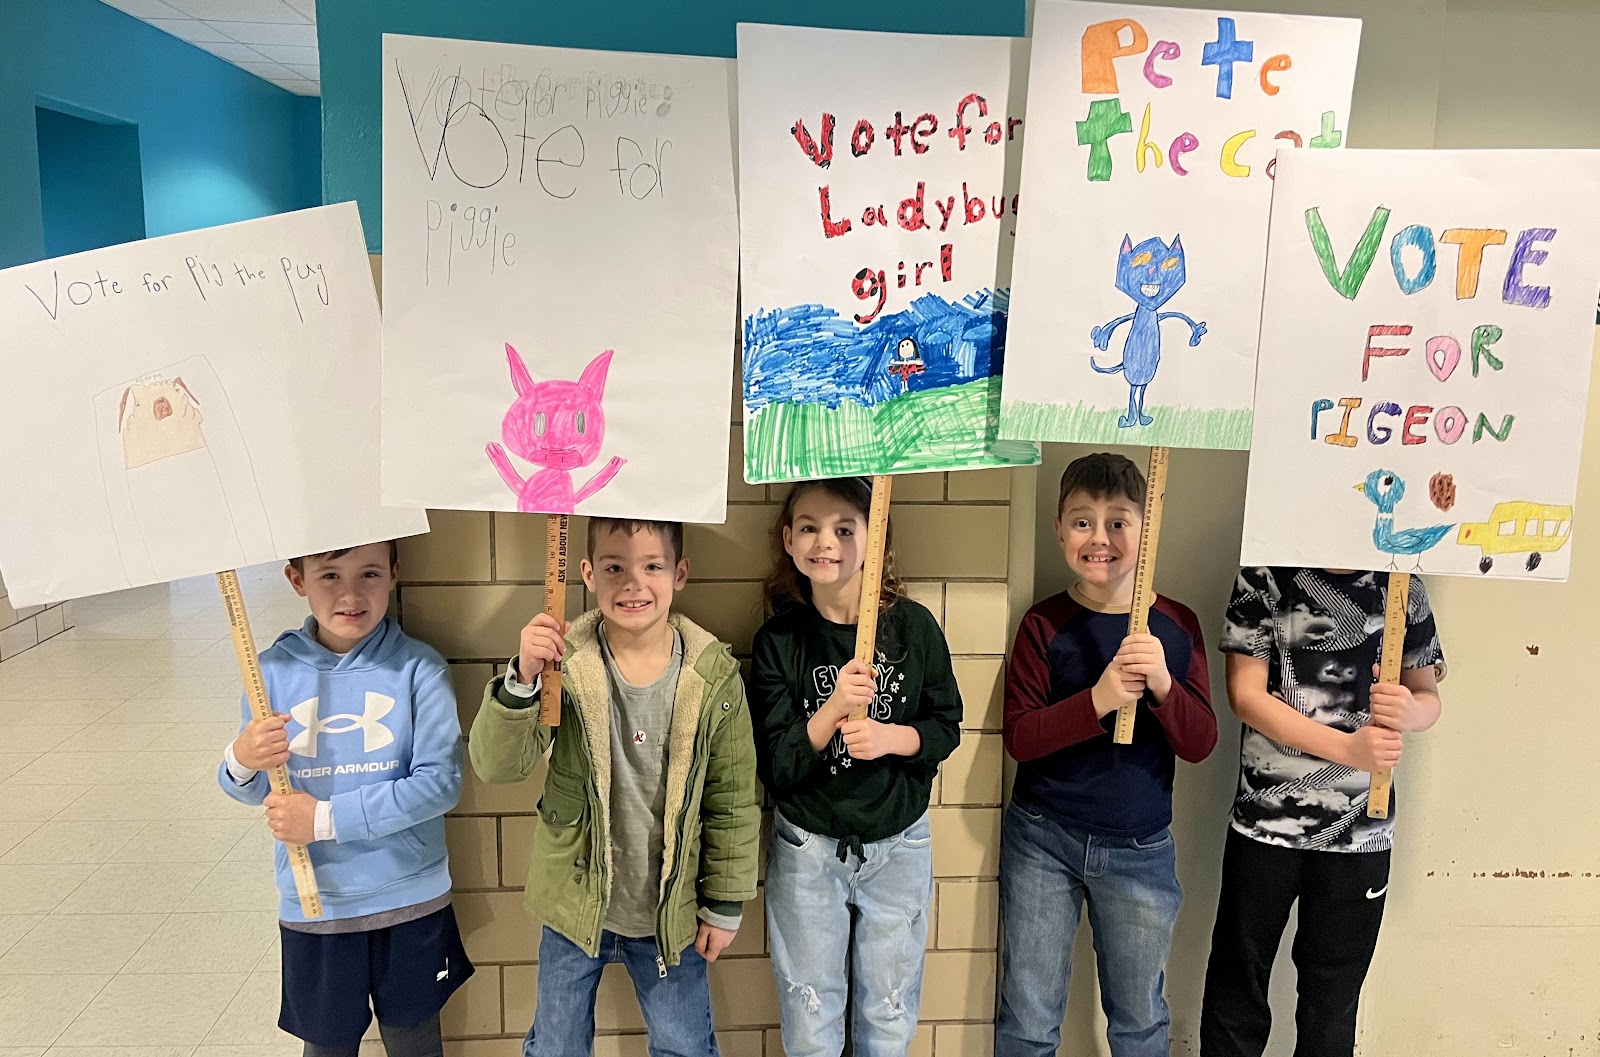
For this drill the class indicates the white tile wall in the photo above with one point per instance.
(22, 630)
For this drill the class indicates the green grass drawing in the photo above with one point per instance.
(1174, 427)
(935, 429)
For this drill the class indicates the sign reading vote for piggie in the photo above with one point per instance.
(1425, 356)
(560, 255)
(190, 404)
(1148, 176)
(878, 204)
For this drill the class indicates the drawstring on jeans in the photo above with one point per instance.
(848, 844)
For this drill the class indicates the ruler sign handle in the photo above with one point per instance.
(872, 577)
(1144, 574)
(556, 548)
(1396, 605)
(255, 688)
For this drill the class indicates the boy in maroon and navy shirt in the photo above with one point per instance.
(1088, 821)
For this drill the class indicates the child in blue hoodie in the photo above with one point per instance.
(373, 747)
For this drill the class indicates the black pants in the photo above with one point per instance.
(1341, 908)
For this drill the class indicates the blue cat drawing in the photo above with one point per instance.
(1150, 273)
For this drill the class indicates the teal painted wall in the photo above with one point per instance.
(91, 191)
(216, 144)
(350, 38)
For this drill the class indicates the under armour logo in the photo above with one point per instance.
(374, 735)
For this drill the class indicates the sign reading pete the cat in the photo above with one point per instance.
(560, 255)
(1141, 247)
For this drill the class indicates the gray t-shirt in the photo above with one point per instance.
(641, 720)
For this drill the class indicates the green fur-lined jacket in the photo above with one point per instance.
(712, 817)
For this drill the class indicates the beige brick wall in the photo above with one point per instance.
(469, 586)
(475, 580)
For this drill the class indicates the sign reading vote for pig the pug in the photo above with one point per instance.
(190, 404)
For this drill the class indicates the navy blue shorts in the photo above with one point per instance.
(332, 983)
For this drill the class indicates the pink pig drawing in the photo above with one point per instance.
(559, 426)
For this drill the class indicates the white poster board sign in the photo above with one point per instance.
(560, 255)
(190, 404)
(1425, 355)
(877, 207)
(1141, 245)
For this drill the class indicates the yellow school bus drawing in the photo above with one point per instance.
(1519, 527)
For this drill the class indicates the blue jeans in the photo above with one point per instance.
(677, 1007)
(1047, 872)
(810, 894)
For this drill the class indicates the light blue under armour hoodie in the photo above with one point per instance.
(374, 731)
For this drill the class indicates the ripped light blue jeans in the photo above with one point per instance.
(810, 898)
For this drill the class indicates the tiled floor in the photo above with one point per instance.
(136, 900)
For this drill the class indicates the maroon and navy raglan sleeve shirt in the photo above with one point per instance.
(1068, 768)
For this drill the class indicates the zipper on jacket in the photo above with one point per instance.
(599, 826)
(666, 886)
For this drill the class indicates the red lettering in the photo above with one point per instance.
(861, 139)
(959, 130)
(821, 155)
(897, 132)
(830, 228)
(869, 284)
(1416, 415)
(912, 210)
(946, 253)
(1372, 351)
(974, 206)
(919, 134)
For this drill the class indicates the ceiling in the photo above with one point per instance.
(274, 39)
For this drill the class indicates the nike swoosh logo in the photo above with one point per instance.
(1375, 895)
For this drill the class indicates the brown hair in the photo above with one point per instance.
(1104, 476)
(786, 585)
(669, 531)
(328, 556)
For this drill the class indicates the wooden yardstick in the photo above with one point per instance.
(1394, 646)
(255, 687)
(1144, 574)
(555, 604)
(872, 577)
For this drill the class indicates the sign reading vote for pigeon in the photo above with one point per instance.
(190, 404)
(1425, 351)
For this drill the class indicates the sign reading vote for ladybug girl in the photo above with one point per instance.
(1148, 183)
(877, 202)
(1425, 351)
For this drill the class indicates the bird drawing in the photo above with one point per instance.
(1385, 489)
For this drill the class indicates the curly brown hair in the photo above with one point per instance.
(786, 585)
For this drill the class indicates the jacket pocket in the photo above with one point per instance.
(562, 877)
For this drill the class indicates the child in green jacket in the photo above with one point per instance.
(645, 846)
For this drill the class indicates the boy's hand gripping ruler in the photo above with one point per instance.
(872, 577)
(1394, 645)
(555, 604)
(244, 648)
(1144, 574)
